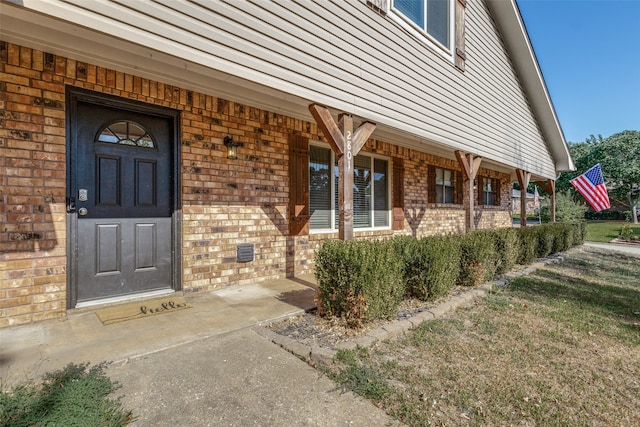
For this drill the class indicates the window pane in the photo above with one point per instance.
(412, 9)
(444, 186)
(447, 178)
(126, 133)
(319, 187)
(438, 20)
(487, 184)
(489, 191)
(448, 195)
(361, 192)
(380, 193)
(370, 199)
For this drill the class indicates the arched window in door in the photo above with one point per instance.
(126, 133)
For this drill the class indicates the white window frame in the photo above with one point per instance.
(332, 190)
(422, 33)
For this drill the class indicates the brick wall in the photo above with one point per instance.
(32, 186)
(223, 202)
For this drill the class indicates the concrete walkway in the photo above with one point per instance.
(237, 379)
(201, 366)
(632, 249)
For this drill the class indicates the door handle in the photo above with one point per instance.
(82, 211)
(71, 204)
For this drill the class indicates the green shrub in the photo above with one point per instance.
(478, 258)
(73, 396)
(359, 280)
(507, 249)
(431, 265)
(608, 215)
(545, 240)
(528, 245)
(580, 232)
(561, 237)
(365, 280)
(567, 209)
(626, 232)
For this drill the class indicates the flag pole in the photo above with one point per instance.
(539, 207)
(539, 212)
(536, 202)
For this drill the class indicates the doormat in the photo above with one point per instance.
(142, 309)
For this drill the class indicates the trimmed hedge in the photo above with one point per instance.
(507, 245)
(366, 280)
(478, 258)
(431, 264)
(608, 215)
(359, 280)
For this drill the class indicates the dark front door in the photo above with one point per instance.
(122, 182)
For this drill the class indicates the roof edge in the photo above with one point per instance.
(509, 21)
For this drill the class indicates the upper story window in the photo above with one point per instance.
(126, 133)
(433, 17)
(370, 190)
(444, 186)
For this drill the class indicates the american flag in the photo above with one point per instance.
(591, 185)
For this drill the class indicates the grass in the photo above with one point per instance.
(74, 396)
(558, 347)
(605, 231)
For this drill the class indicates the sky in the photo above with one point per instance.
(589, 54)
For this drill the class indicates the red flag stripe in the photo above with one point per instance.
(596, 195)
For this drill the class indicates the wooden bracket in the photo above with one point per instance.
(335, 132)
(329, 128)
(549, 186)
(469, 163)
(346, 144)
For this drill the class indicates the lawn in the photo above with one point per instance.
(558, 347)
(605, 231)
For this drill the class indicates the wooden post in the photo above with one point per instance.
(470, 166)
(346, 144)
(345, 179)
(523, 180)
(550, 187)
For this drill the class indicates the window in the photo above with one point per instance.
(434, 17)
(320, 201)
(489, 188)
(370, 190)
(444, 185)
(126, 133)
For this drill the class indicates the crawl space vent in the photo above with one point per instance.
(245, 252)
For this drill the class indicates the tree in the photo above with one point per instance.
(619, 157)
(567, 209)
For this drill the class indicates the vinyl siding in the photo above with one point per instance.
(343, 54)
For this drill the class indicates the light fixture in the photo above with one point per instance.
(232, 147)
